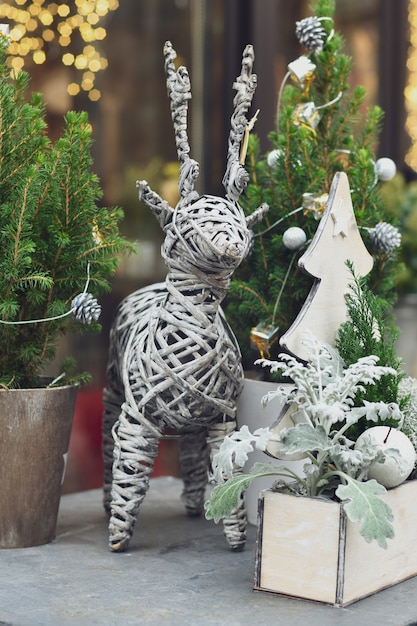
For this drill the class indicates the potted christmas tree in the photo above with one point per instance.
(321, 131)
(58, 248)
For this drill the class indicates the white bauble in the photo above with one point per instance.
(390, 474)
(294, 237)
(385, 169)
(272, 158)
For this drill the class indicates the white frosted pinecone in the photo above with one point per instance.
(85, 308)
(310, 33)
(385, 237)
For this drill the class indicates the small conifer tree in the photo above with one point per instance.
(321, 129)
(370, 329)
(54, 237)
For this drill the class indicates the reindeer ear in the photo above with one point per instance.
(159, 207)
(257, 215)
(237, 180)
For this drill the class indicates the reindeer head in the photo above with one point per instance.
(212, 235)
(207, 235)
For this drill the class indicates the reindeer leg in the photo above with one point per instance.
(135, 449)
(112, 400)
(194, 466)
(234, 526)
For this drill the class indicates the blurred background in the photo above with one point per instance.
(105, 56)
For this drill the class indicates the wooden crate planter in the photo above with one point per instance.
(307, 548)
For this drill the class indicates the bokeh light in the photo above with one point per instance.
(410, 91)
(35, 25)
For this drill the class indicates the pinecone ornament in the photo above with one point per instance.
(384, 237)
(310, 33)
(85, 308)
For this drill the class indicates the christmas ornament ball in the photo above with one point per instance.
(294, 237)
(390, 473)
(385, 169)
(272, 158)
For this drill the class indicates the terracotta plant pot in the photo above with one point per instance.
(35, 427)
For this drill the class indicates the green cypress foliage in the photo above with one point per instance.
(51, 228)
(371, 330)
(269, 287)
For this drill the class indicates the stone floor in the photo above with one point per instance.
(177, 571)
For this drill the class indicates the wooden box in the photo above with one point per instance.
(307, 548)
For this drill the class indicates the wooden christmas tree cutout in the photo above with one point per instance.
(336, 241)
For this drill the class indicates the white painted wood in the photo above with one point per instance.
(336, 240)
(308, 549)
(300, 538)
(368, 568)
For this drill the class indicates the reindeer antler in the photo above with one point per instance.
(179, 92)
(236, 178)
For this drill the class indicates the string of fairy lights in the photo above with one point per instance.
(36, 26)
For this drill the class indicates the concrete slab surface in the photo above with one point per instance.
(177, 571)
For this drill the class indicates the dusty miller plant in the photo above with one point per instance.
(407, 389)
(324, 390)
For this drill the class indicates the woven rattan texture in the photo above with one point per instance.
(174, 362)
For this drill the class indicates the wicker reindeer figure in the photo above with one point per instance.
(174, 362)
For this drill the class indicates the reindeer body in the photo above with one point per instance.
(174, 362)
